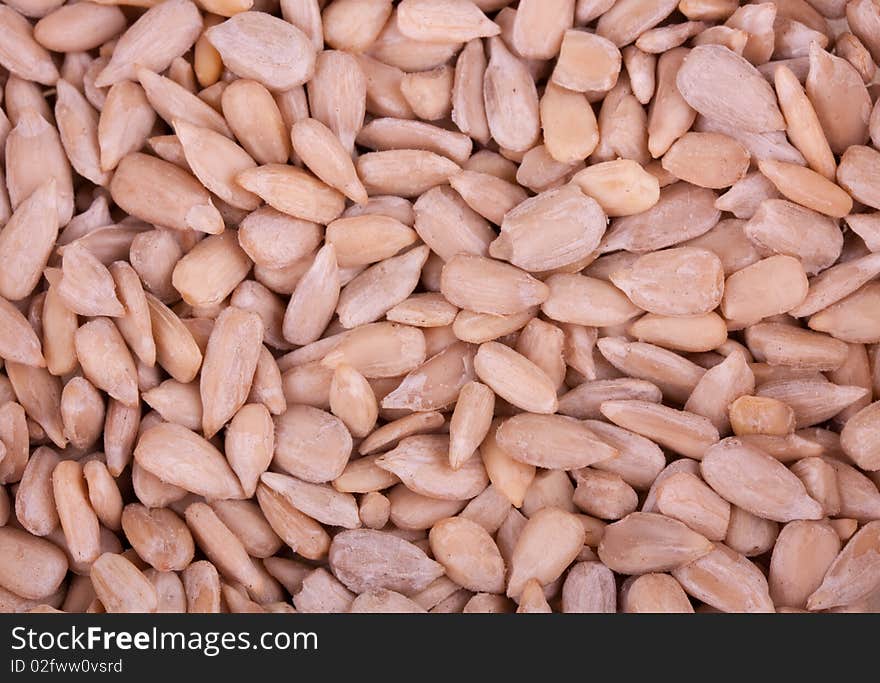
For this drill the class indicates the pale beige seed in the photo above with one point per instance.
(485, 286)
(353, 401)
(645, 542)
(756, 482)
(589, 588)
(686, 498)
(604, 494)
(276, 240)
(760, 415)
(858, 494)
(468, 108)
(727, 581)
(840, 99)
(587, 63)
(538, 27)
(153, 255)
(32, 568)
(394, 48)
(176, 349)
(858, 165)
(78, 129)
(21, 54)
(176, 402)
(548, 543)
(78, 520)
(863, 21)
(374, 510)
(388, 133)
(445, 222)
(228, 554)
(623, 22)
(249, 444)
(384, 601)
(35, 500)
(390, 433)
(515, 378)
(159, 536)
(682, 281)
(681, 431)
(121, 586)
(211, 270)
(365, 560)
(853, 574)
(478, 328)
(322, 593)
(293, 191)
(584, 400)
(324, 154)
(771, 286)
(120, 431)
(511, 100)
(511, 477)
(657, 40)
(552, 488)
(858, 439)
(384, 97)
(429, 93)
(470, 422)
(675, 376)
(532, 600)
(683, 212)
(82, 412)
(314, 300)
(709, 72)
(135, 324)
(802, 123)
(745, 196)
(653, 594)
(161, 193)
(430, 310)
(311, 444)
(801, 556)
(228, 369)
(813, 400)
(321, 502)
(164, 32)
(620, 187)
(851, 319)
(539, 171)
(571, 132)
(354, 25)
(380, 350)
(18, 341)
(468, 554)
(39, 394)
(707, 160)
(262, 47)
(216, 161)
(787, 228)
(414, 512)
(404, 172)
(587, 301)
(577, 221)
(670, 116)
(692, 333)
(185, 459)
(806, 187)
(364, 476)
(779, 344)
(170, 101)
(379, 288)
(34, 153)
(422, 464)
(552, 441)
(106, 361)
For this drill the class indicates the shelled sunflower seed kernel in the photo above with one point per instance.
(440, 306)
